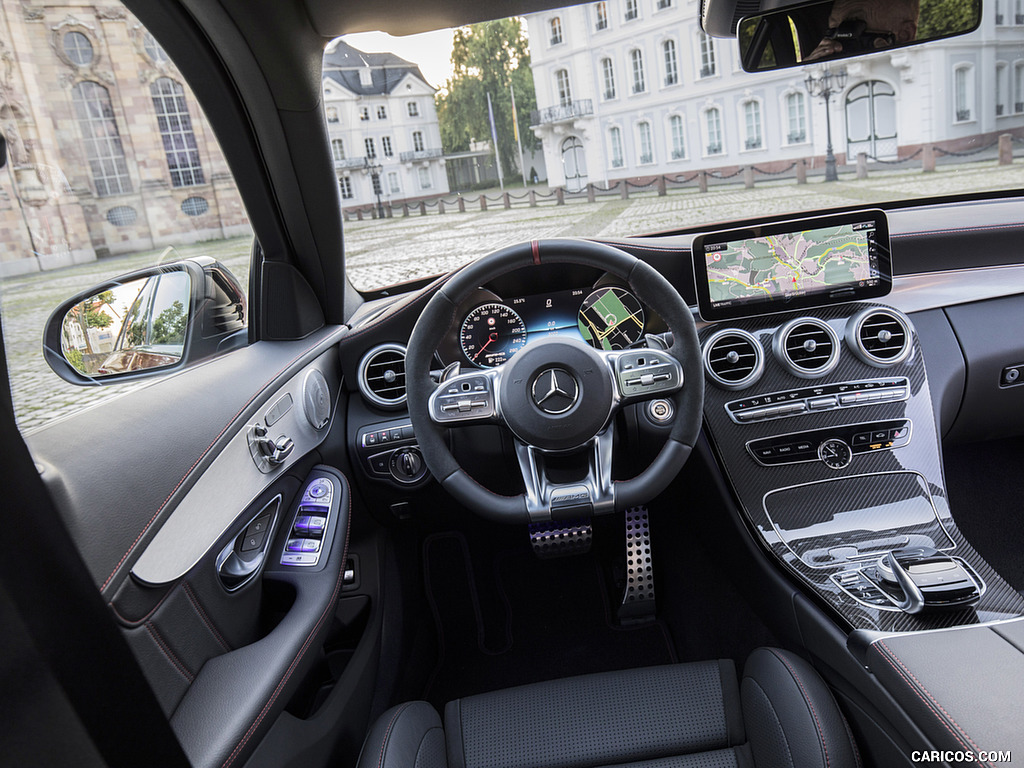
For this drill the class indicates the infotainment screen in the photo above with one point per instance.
(792, 265)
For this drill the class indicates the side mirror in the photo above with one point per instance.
(147, 322)
(826, 30)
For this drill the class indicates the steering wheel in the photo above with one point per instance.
(557, 395)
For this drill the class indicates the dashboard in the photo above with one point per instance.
(499, 320)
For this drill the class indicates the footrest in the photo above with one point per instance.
(551, 540)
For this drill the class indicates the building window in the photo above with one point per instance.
(668, 49)
(608, 75)
(707, 55)
(752, 124)
(663, 4)
(646, 143)
(385, 144)
(424, 174)
(382, 113)
(1000, 19)
(194, 206)
(615, 140)
(337, 150)
(393, 184)
(332, 114)
(631, 10)
(176, 131)
(122, 216)
(601, 16)
(1018, 12)
(796, 118)
(1002, 89)
(414, 109)
(364, 113)
(154, 50)
(713, 128)
(103, 149)
(1018, 87)
(346, 187)
(78, 49)
(556, 30)
(417, 141)
(562, 86)
(371, 148)
(963, 93)
(636, 57)
(678, 130)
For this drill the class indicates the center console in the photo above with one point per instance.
(819, 411)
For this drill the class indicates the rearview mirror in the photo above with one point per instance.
(826, 30)
(146, 322)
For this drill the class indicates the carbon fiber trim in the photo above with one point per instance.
(752, 482)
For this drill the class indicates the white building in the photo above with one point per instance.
(629, 88)
(383, 128)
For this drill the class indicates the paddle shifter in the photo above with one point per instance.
(929, 579)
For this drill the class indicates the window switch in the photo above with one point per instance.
(310, 545)
(302, 525)
(294, 545)
(315, 525)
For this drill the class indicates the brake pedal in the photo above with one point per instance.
(550, 540)
(638, 599)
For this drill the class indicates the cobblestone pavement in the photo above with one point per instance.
(386, 251)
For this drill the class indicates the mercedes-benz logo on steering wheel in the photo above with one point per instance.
(555, 391)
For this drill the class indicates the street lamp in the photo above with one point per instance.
(374, 170)
(824, 84)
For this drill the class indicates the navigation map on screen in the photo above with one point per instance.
(791, 264)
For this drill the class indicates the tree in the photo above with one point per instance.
(488, 58)
(946, 17)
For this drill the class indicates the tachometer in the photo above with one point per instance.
(611, 318)
(491, 334)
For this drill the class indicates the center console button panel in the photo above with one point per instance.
(808, 446)
(826, 397)
(388, 451)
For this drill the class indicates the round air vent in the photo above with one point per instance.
(879, 337)
(733, 359)
(807, 347)
(382, 375)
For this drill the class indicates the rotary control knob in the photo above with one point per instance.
(835, 453)
(407, 466)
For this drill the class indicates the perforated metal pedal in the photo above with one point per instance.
(551, 540)
(638, 599)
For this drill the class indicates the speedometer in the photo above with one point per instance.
(491, 334)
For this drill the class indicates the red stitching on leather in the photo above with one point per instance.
(192, 598)
(175, 661)
(387, 733)
(930, 703)
(305, 646)
(535, 249)
(201, 457)
(807, 699)
(137, 622)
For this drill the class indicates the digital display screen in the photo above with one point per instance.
(792, 265)
(550, 314)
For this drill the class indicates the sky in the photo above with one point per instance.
(432, 51)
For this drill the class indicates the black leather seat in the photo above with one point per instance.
(677, 716)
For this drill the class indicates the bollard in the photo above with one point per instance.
(862, 165)
(928, 158)
(662, 189)
(483, 203)
(359, 214)
(506, 201)
(559, 196)
(423, 208)
(405, 210)
(801, 171)
(1005, 149)
(702, 180)
(391, 211)
(462, 204)
(440, 206)
(624, 193)
(591, 195)
(748, 177)
(533, 199)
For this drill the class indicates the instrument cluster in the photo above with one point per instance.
(492, 328)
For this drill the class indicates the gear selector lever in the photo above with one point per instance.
(930, 580)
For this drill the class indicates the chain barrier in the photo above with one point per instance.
(518, 197)
(787, 169)
(908, 158)
(967, 153)
(720, 175)
(648, 185)
(680, 180)
(1017, 139)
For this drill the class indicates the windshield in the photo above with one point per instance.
(622, 117)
